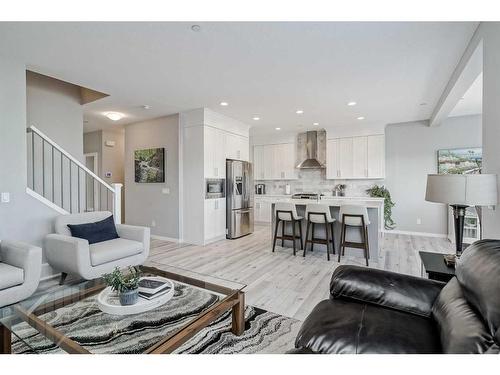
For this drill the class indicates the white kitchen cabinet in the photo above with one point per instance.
(215, 218)
(236, 147)
(268, 159)
(376, 156)
(262, 210)
(274, 162)
(346, 158)
(332, 158)
(215, 158)
(258, 162)
(355, 157)
(359, 154)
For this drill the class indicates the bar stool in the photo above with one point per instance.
(287, 212)
(319, 214)
(354, 216)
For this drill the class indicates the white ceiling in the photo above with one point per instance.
(472, 101)
(262, 69)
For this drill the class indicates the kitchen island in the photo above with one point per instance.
(375, 208)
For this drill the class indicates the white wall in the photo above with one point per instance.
(145, 202)
(411, 154)
(25, 218)
(54, 107)
(490, 33)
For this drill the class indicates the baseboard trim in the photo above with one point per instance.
(421, 234)
(163, 238)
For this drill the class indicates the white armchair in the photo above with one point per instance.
(20, 269)
(72, 255)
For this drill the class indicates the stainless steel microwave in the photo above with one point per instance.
(214, 188)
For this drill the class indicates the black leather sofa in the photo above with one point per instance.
(374, 311)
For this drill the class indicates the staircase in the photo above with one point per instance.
(63, 183)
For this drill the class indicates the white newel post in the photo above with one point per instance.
(117, 203)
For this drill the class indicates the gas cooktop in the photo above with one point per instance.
(306, 196)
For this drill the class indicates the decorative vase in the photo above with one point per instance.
(129, 297)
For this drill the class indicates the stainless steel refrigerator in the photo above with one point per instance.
(239, 198)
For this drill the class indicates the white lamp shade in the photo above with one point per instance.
(462, 189)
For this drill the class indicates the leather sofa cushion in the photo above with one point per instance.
(108, 251)
(406, 293)
(460, 328)
(10, 276)
(348, 327)
(478, 272)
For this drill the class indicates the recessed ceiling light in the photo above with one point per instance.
(316, 123)
(256, 118)
(350, 104)
(361, 118)
(224, 104)
(299, 111)
(424, 103)
(196, 28)
(278, 128)
(114, 116)
(146, 106)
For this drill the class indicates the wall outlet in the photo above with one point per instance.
(419, 221)
(5, 197)
(153, 223)
(165, 190)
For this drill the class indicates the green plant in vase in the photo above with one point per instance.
(125, 284)
(377, 191)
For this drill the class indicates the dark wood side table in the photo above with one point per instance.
(435, 267)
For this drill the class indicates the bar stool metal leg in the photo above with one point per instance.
(276, 232)
(327, 241)
(300, 234)
(293, 237)
(307, 238)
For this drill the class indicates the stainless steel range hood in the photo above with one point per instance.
(311, 145)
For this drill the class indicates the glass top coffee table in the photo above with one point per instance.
(68, 319)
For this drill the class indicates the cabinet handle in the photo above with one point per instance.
(282, 174)
(215, 172)
(238, 153)
(366, 172)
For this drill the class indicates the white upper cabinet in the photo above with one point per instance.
(258, 162)
(359, 154)
(219, 146)
(376, 156)
(346, 158)
(274, 162)
(237, 147)
(332, 158)
(215, 159)
(356, 157)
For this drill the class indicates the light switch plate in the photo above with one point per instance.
(5, 197)
(165, 190)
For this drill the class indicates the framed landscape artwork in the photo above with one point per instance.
(149, 165)
(460, 161)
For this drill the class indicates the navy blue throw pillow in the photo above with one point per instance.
(99, 231)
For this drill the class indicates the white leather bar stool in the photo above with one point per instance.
(354, 216)
(287, 212)
(319, 214)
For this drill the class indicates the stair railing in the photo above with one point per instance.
(63, 182)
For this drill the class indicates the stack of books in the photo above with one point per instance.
(153, 287)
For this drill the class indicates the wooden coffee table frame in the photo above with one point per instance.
(234, 300)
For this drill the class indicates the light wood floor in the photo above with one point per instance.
(280, 282)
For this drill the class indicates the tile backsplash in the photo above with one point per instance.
(314, 181)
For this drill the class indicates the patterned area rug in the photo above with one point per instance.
(265, 332)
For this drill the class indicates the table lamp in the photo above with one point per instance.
(461, 191)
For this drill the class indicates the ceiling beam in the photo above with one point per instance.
(468, 69)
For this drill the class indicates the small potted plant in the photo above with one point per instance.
(126, 285)
(339, 190)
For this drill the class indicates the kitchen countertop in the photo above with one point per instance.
(329, 200)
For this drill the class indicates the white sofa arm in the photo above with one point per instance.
(68, 254)
(135, 233)
(23, 255)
